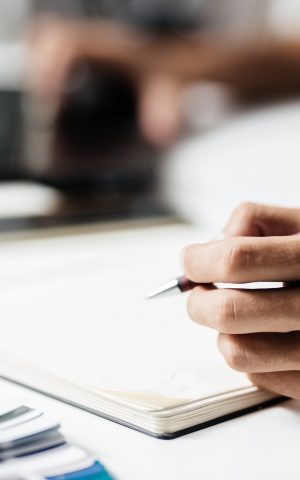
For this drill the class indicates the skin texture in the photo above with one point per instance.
(159, 66)
(259, 329)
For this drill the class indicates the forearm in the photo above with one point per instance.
(269, 67)
(264, 67)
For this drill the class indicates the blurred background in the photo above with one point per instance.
(113, 109)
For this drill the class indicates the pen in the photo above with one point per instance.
(177, 285)
(183, 284)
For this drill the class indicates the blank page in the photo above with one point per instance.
(75, 305)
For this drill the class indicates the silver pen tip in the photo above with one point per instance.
(167, 288)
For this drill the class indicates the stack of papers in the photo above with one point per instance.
(32, 447)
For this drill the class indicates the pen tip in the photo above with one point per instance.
(170, 287)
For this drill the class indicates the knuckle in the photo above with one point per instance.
(236, 258)
(225, 320)
(235, 354)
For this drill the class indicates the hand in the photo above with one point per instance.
(259, 329)
(152, 65)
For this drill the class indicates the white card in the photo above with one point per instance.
(59, 461)
(21, 419)
(36, 426)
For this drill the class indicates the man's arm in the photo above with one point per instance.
(160, 66)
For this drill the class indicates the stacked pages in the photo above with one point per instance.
(76, 326)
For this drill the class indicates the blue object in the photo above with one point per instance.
(95, 472)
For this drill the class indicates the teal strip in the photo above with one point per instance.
(95, 472)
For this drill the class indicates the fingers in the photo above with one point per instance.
(283, 383)
(249, 318)
(251, 219)
(160, 110)
(56, 44)
(244, 259)
(246, 311)
(52, 53)
(261, 352)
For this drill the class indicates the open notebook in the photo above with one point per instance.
(75, 324)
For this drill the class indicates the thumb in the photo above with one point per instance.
(53, 50)
(160, 109)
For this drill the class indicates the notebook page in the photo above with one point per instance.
(76, 306)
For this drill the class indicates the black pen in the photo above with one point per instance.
(177, 285)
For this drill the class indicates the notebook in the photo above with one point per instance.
(75, 325)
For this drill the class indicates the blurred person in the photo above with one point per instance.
(157, 46)
(159, 65)
(89, 116)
